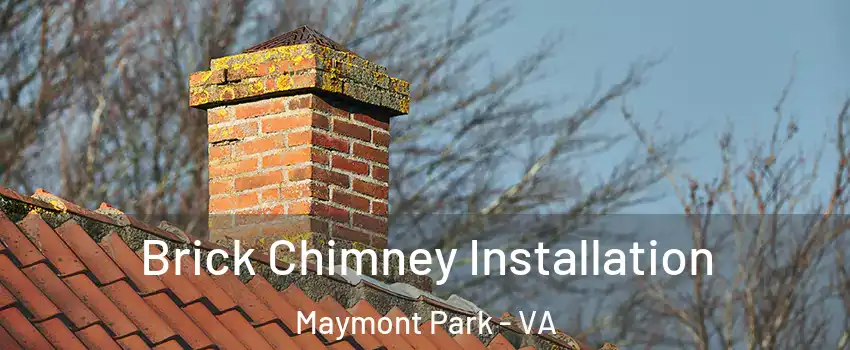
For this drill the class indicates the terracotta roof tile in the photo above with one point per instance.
(416, 340)
(95, 337)
(208, 288)
(29, 296)
(81, 285)
(296, 297)
(280, 306)
(131, 265)
(7, 341)
(133, 342)
(392, 340)
(100, 305)
(343, 345)
(51, 245)
(169, 345)
(439, 336)
(469, 342)
(24, 332)
(6, 297)
(336, 310)
(239, 326)
(308, 341)
(177, 320)
(277, 336)
(142, 315)
(500, 343)
(23, 250)
(179, 286)
(219, 334)
(60, 336)
(250, 303)
(62, 296)
(95, 259)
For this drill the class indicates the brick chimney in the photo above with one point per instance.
(298, 128)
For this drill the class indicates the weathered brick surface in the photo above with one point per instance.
(299, 154)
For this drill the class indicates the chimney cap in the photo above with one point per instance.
(301, 35)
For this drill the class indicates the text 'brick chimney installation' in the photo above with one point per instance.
(298, 132)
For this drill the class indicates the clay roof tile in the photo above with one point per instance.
(81, 285)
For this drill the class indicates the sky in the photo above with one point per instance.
(725, 61)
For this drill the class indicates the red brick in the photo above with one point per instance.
(299, 138)
(380, 138)
(296, 156)
(330, 142)
(295, 121)
(371, 153)
(272, 143)
(380, 174)
(370, 223)
(370, 189)
(379, 241)
(348, 234)
(371, 121)
(305, 190)
(301, 81)
(269, 195)
(320, 210)
(206, 78)
(258, 108)
(220, 186)
(299, 207)
(350, 200)
(300, 102)
(380, 208)
(230, 169)
(349, 165)
(352, 130)
(319, 174)
(240, 201)
(317, 139)
(218, 115)
(304, 63)
(232, 132)
(220, 152)
(258, 180)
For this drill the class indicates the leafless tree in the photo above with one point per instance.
(95, 109)
(777, 227)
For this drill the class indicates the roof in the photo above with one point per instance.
(300, 35)
(74, 277)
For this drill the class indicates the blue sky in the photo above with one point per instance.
(727, 60)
